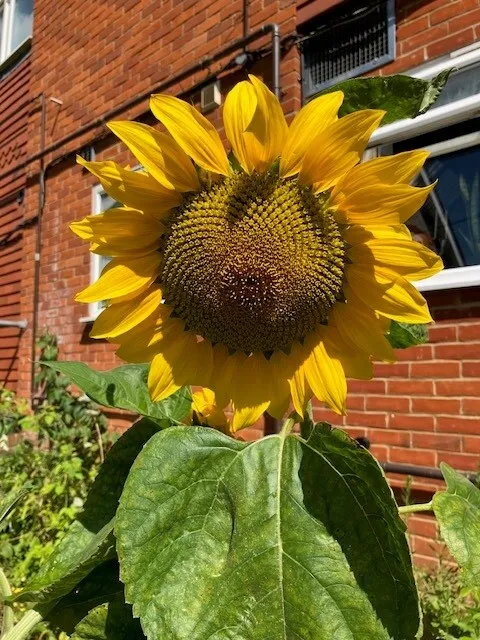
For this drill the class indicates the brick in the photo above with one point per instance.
(471, 444)
(458, 351)
(469, 332)
(471, 406)
(408, 28)
(413, 456)
(435, 369)
(451, 43)
(415, 423)
(459, 461)
(451, 9)
(388, 436)
(457, 424)
(437, 441)
(436, 405)
(387, 403)
(458, 387)
(366, 419)
(394, 370)
(442, 333)
(425, 37)
(425, 526)
(410, 387)
(421, 352)
(471, 369)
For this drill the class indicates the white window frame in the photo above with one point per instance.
(6, 52)
(95, 308)
(439, 118)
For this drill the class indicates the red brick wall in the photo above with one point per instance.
(94, 56)
(14, 108)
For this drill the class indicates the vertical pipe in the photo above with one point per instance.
(276, 60)
(271, 424)
(246, 26)
(38, 243)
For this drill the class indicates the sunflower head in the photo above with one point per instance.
(266, 284)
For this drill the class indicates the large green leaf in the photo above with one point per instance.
(113, 621)
(403, 335)
(458, 513)
(281, 538)
(96, 606)
(400, 96)
(125, 388)
(90, 541)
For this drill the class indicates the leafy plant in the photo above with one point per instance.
(450, 610)
(56, 458)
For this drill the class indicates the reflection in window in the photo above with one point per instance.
(22, 21)
(449, 222)
(16, 23)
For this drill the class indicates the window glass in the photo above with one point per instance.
(449, 222)
(1, 30)
(22, 22)
(461, 84)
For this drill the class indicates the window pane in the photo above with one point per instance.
(461, 84)
(1, 30)
(22, 22)
(452, 215)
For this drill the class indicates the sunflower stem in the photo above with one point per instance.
(414, 508)
(288, 425)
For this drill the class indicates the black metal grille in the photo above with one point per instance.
(348, 42)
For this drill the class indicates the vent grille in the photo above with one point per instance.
(347, 43)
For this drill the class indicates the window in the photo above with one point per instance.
(16, 22)
(101, 201)
(347, 41)
(449, 222)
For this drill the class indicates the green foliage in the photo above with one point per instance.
(57, 463)
(125, 388)
(402, 335)
(400, 96)
(458, 513)
(213, 533)
(450, 611)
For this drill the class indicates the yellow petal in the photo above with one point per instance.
(192, 131)
(182, 361)
(325, 374)
(251, 391)
(407, 258)
(204, 404)
(357, 234)
(140, 344)
(161, 156)
(122, 228)
(280, 396)
(220, 380)
(338, 148)
(396, 169)
(388, 293)
(123, 250)
(135, 189)
(379, 204)
(310, 121)
(238, 111)
(267, 126)
(121, 277)
(355, 363)
(119, 318)
(300, 389)
(359, 328)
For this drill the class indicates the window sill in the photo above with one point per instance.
(22, 49)
(460, 277)
(87, 319)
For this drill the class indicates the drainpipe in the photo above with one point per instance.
(38, 242)
(20, 324)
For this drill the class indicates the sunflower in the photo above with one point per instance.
(265, 279)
